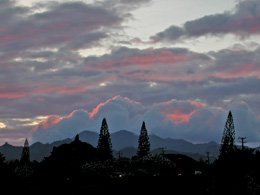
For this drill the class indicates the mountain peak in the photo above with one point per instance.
(125, 132)
(6, 144)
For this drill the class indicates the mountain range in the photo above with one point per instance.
(123, 141)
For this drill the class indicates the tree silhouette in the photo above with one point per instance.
(25, 156)
(143, 142)
(228, 138)
(104, 141)
(2, 158)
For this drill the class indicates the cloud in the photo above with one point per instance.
(203, 124)
(243, 21)
(86, 41)
(167, 64)
(60, 24)
(43, 72)
(246, 122)
(170, 34)
(146, 75)
(126, 57)
(124, 6)
(50, 121)
(180, 111)
(241, 63)
(14, 136)
(10, 91)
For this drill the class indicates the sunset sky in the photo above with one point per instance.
(180, 66)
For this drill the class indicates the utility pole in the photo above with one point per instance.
(208, 157)
(162, 150)
(119, 154)
(242, 141)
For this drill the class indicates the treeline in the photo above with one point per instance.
(79, 167)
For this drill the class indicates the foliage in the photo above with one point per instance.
(236, 172)
(96, 167)
(23, 171)
(157, 159)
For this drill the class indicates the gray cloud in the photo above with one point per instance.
(244, 21)
(60, 24)
(86, 41)
(170, 34)
(124, 6)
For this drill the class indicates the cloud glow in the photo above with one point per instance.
(2, 125)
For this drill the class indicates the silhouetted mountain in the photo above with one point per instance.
(123, 141)
(38, 150)
(11, 152)
(120, 139)
(75, 152)
(89, 137)
(123, 138)
(127, 152)
(66, 159)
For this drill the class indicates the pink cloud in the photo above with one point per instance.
(72, 114)
(62, 89)
(50, 121)
(163, 64)
(169, 77)
(97, 108)
(127, 57)
(10, 91)
(14, 90)
(40, 99)
(240, 70)
(178, 116)
(180, 110)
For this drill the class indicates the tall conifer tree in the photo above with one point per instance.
(25, 157)
(143, 142)
(228, 138)
(104, 141)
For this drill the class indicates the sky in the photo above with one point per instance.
(180, 66)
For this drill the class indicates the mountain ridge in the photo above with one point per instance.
(121, 140)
